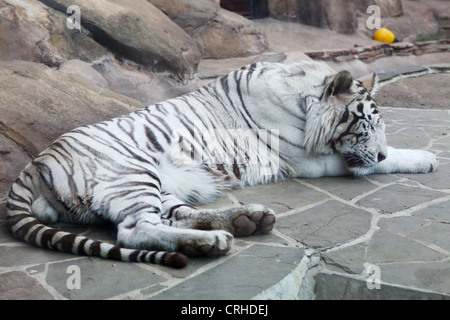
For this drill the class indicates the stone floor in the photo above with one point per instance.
(376, 237)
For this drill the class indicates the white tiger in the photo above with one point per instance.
(144, 170)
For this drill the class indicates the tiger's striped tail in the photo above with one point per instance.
(24, 226)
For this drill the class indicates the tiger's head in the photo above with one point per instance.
(347, 121)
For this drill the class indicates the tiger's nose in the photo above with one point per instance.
(381, 156)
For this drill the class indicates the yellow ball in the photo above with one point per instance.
(384, 35)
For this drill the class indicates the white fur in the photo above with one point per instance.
(403, 161)
(183, 180)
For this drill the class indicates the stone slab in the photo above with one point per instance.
(347, 188)
(294, 195)
(99, 278)
(385, 247)
(23, 254)
(17, 285)
(326, 225)
(405, 198)
(241, 277)
(331, 286)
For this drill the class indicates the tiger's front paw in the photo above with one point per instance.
(410, 161)
(424, 161)
(406, 161)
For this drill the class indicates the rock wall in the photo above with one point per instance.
(136, 30)
(129, 46)
(338, 15)
(31, 31)
(388, 8)
(219, 33)
(38, 104)
(418, 18)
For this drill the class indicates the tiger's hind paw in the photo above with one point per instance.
(254, 219)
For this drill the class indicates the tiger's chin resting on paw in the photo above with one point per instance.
(144, 171)
(401, 161)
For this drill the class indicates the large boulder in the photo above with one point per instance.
(418, 19)
(31, 31)
(337, 15)
(38, 104)
(388, 8)
(406, 19)
(85, 71)
(136, 30)
(425, 92)
(219, 33)
(131, 80)
(440, 8)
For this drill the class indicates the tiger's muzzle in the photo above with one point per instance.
(354, 160)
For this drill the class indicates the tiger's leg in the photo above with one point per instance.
(240, 221)
(143, 229)
(146, 231)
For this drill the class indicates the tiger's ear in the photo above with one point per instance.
(341, 83)
(371, 83)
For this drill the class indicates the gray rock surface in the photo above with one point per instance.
(31, 31)
(136, 30)
(139, 83)
(417, 92)
(38, 104)
(219, 33)
(388, 8)
(84, 70)
(337, 15)
(418, 18)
